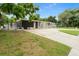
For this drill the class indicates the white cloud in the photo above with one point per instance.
(51, 5)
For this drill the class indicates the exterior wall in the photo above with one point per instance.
(30, 25)
(46, 25)
(9, 26)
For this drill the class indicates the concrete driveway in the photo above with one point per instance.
(67, 39)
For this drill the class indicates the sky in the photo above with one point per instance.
(54, 9)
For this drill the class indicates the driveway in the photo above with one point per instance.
(67, 39)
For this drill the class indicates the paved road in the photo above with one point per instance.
(54, 34)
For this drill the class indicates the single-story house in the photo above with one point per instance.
(25, 24)
(35, 24)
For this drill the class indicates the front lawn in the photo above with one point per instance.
(18, 43)
(72, 32)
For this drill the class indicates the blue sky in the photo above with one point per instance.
(54, 9)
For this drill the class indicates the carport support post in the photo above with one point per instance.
(38, 24)
(34, 25)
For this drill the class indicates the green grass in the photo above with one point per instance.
(68, 28)
(20, 43)
(72, 32)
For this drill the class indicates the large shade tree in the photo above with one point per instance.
(69, 18)
(3, 20)
(34, 17)
(23, 9)
(7, 9)
(29, 9)
(19, 10)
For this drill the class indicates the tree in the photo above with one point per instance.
(43, 19)
(18, 10)
(7, 9)
(70, 18)
(64, 17)
(22, 10)
(4, 20)
(1, 21)
(34, 17)
(30, 9)
(52, 19)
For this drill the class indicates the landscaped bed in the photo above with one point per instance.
(71, 31)
(18, 43)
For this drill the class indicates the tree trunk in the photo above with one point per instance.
(0, 27)
(4, 27)
(15, 25)
(8, 25)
